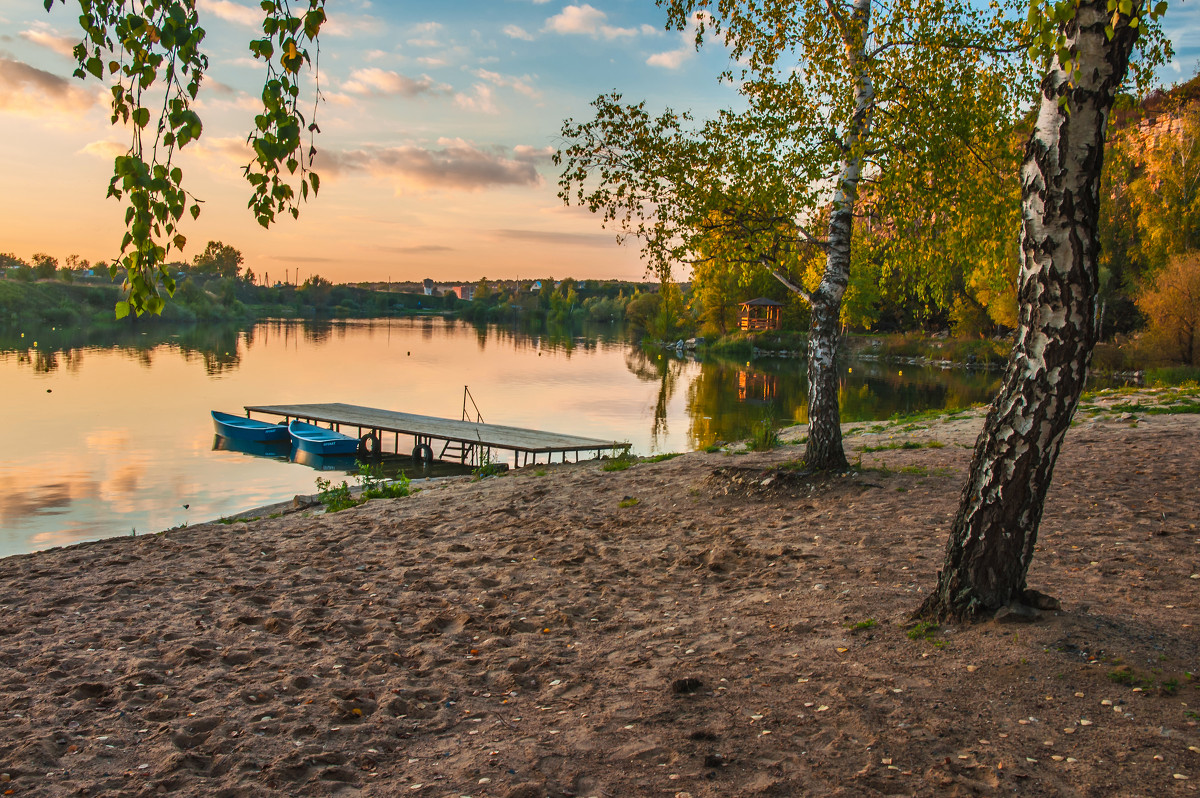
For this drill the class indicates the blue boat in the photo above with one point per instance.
(240, 428)
(318, 440)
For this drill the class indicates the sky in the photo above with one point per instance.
(438, 124)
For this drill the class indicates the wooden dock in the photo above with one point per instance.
(467, 442)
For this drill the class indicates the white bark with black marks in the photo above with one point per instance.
(993, 536)
(824, 450)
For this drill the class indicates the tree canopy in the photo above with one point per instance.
(842, 102)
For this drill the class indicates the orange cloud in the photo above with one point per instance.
(30, 91)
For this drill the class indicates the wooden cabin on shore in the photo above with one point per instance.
(760, 314)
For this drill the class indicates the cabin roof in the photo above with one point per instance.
(762, 302)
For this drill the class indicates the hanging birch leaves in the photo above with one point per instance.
(150, 52)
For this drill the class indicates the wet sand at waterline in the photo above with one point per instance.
(528, 636)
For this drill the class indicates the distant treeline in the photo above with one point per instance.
(561, 302)
(90, 302)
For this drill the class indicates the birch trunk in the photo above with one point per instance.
(993, 535)
(824, 450)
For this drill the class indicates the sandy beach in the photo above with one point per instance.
(710, 625)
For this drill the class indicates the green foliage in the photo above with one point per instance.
(724, 194)
(372, 483)
(629, 501)
(619, 462)
(764, 436)
(1173, 376)
(660, 458)
(488, 466)
(149, 52)
(863, 625)
(218, 259)
(376, 486)
(335, 497)
(44, 266)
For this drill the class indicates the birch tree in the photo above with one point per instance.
(150, 53)
(991, 545)
(836, 94)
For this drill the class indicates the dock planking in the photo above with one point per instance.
(460, 439)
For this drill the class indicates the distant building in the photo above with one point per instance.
(464, 292)
(428, 285)
(760, 314)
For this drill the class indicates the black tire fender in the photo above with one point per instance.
(368, 445)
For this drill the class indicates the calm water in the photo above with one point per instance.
(103, 439)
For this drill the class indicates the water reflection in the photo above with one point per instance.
(115, 431)
(278, 450)
(653, 366)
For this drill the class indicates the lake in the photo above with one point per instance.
(114, 437)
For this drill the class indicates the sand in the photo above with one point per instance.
(736, 631)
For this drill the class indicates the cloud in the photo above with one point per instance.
(31, 91)
(481, 101)
(424, 43)
(377, 82)
(517, 32)
(217, 87)
(522, 84)
(419, 250)
(523, 152)
(223, 150)
(454, 165)
(555, 237)
(344, 26)
(585, 20)
(673, 59)
(232, 12)
(63, 45)
(301, 258)
(107, 150)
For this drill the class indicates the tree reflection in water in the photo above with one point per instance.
(663, 369)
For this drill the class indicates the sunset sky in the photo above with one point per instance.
(437, 129)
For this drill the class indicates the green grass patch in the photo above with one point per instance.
(1129, 677)
(764, 436)
(1187, 406)
(1174, 376)
(629, 501)
(927, 631)
(620, 462)
(863, 625)
(889, 446)
(661, 458)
